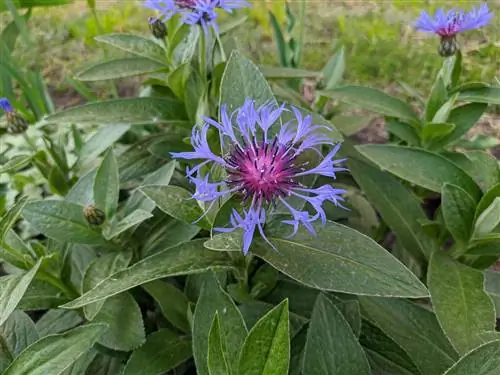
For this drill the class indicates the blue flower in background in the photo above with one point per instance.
(202, 12)
(16, 123)
(5, 105)
(263, 167)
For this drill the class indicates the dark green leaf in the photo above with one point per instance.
(484, 360)
(436, 99)
(434, 131)
(184, 259)
(163, 351)
(57, 321)
(266, 349)
(107, 185)
(332, 347)
(402, 130)
(458, 210)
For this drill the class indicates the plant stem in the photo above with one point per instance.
(58, 283)
(202, 52)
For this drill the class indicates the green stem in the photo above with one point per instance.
(55, 281)
(222, 52)
(202, 52)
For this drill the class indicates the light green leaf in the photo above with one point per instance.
(57, 321)
(232, 327)
(415, 329)
(15, 163)
(163, 351)
(310, 259)
(373, 100)
(216, 357)
(12, 289)
(350, 124)
(484, 360)
(279, 72)
(129, 111)
(184, 259)
(136, 217)
(487, 199)
(402, 130)
(136, 45)
(420, 167)
(436, 99)
(120, 68)
(82, 191)
(107, 185)
(488, 94)
(241, 80)
(334, 69)
(41, 295)
(399, 208)
(458, 210)
(122, 315)
(60, 220)
(331, 346)
(100, 141)
(53, 354)
(10, 217)
(436, 130)
(266, 349)
(176, 202)
(462, 307)
(173, 303)
(488, 220)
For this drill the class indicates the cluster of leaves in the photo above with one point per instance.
(151, 292)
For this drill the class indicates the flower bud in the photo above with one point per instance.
(16, 123)
(93, 215)
(157, 27)
(448, 46)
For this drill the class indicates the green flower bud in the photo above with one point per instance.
(93, 215)
(448, 46)
(157, 27)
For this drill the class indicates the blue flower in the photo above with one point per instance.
(16, 123)
(193, 12)
(263, 169)
(5, 105)
(448, 24)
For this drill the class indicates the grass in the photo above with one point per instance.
(381, 46)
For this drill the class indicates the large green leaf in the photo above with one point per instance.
(177, 202)
(131, 111)
(241, 80)
(415, 329)
(267, 347)
(15, 163)
(421, 167)
(484, 360)
(217, 351)
(107, 185)
(12, 289)
(458, 210)
(120, 68)
(60, 220)
(57, 321)
(488, 94)
(463, 308)
(373, 100)
(104, 138)
(122, 315)
(183, 259)
(332, 347)
(361, 265)
(163, 351)
(136, 45)
(16, 334)
(53, 354)
(232, 327)
(399, 208)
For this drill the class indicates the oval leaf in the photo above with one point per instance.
(107, 185)
(136, 45)
(484, 360)
(120, 68)
(458, 209)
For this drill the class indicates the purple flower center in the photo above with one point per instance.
(263, 171)
(452, 27)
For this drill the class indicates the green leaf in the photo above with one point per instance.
(97, 271)
(373, 100)
(462, 307)
(266, 349)
(483, 168)
(488, 220)
(350, 124)
(332, 347)
(107, 185)
(487, 199)
(241, 80)
(415, 329)
(41, 295)
(176, 202)
(435, 131)
(62, 221)
(122, 315)
(420, 167)
(402, 130)
(488, 94)
(232, 328)
(399, 208)
(334, 69)
(12, 289)
(105, 365)
(436, 99)
(101, 141)
(120, 68)
(132, 220)
(10, 217)
(183, 259)
(173, 303)
(484, 360)
(464, 118)
(57, 321)
(53, 354)
(458, 210)
(163, 351)
(15, 163)
(349, 253)
(216, 357)
(279, 72)
(136, 45)
(16, 334)
(129, 111)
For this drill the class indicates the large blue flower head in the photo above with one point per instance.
(202, 12)
(263, 165)
(448, 24)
